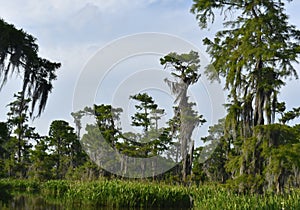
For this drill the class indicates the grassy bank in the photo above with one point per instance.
(129, 194)
(105, 193)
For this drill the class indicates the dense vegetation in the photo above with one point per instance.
(254, 55)
(143, 195)
(257, 151)
(112, 193)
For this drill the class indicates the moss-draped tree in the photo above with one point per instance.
(254, 53)
(184, 68)
(19, 55)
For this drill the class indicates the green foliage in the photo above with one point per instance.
(261, 48)
(129, 194)
(255, 53)
(145, 195)
(113, 193)
(17, 144)
(214, 165)
(290, 115)
(218, 197)
(146, 106)
(4, 139)
(65, 148)
(107, 136)
(185, 66)
(55, 189)
(87, 172)
(153, 140)
(277, 149)
(107, 117)
(258, 58)
(42, 161)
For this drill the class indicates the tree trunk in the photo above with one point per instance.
(259, 108)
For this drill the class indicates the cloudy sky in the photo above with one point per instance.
(72, 31)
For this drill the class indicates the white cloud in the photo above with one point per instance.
(43, 12)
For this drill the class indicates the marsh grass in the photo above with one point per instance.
(147, 195)
(113, 193)
(218, 197)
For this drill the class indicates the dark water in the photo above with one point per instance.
(34, 202)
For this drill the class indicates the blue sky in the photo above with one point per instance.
(72, 31)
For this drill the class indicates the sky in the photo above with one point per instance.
(73, 31)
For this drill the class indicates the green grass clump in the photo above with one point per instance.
(55, 188)
(218, 197)
(111, 193)
(129, 194)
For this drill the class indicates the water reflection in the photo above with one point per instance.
(33, 202)
(26, 202)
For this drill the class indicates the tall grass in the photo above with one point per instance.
(217, 197)
(129, 194)
(118, 193)
(114, 193)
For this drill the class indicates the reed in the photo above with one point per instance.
(218, 197)
(145, 195)
(129, 194)
(113, 193)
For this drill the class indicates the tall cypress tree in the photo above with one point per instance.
(184, 67)
(255, 53)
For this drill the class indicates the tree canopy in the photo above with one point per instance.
(255, 53)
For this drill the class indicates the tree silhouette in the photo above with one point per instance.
(19, 55)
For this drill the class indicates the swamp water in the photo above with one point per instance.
(35, 202)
